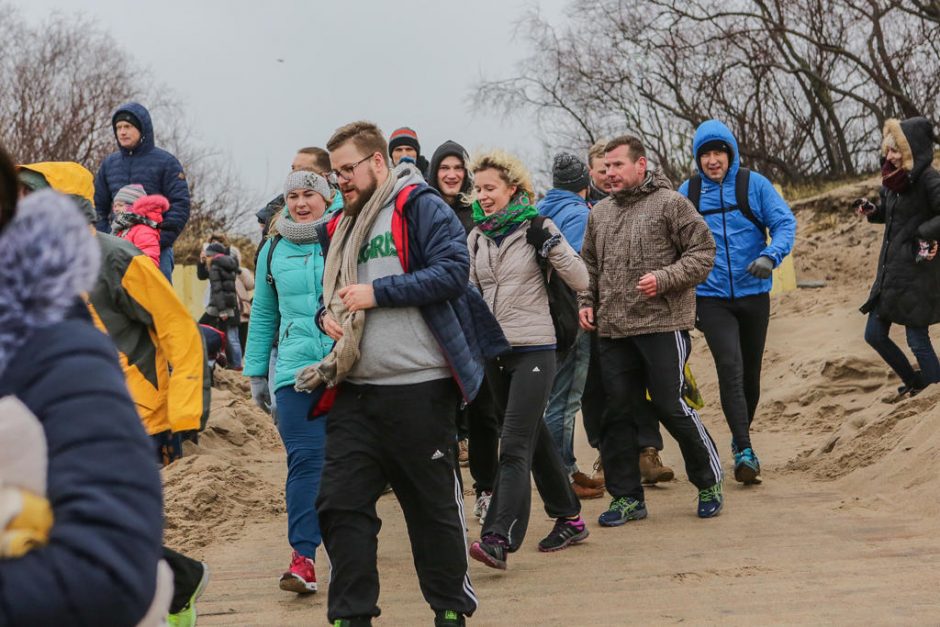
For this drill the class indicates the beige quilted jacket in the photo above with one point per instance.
(511, 282)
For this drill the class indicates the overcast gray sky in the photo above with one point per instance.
(405, 63)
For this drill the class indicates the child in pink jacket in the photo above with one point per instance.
(137, 218)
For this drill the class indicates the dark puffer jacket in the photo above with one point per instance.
(154, 168)
(223, 297)
(906, 292)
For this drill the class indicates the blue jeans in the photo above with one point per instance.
(167, 263)
(234, 345)
(272, 374)
(564, 402)
(305, 441)
(918, 339)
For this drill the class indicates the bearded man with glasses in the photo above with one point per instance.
(411, 337)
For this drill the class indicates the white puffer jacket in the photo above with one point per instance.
(511, 282)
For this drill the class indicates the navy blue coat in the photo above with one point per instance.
(437, 281)
(154, 168)
(99, 567)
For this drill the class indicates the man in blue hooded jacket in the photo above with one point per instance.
(733, 304)
(138, 160)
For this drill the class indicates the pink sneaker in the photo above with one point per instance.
(301, 577)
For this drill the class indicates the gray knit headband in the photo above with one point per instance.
(308, 180)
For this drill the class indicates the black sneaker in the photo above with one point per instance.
(491, 550)
(448, 618)
(565, 532)
(358, 621)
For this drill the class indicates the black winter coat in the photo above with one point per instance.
(906, 292)
(223, 298)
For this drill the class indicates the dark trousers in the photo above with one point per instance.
(187, 573)
(401, 435)
(594, 403)
(918, 339)
(521, 383)
(483, 438)
(631, 366)
(736, 332)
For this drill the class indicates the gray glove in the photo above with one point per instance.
(762, 267)
(260, 393)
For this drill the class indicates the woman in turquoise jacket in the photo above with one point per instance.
(285, 304)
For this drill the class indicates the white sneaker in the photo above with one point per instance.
(482, 506)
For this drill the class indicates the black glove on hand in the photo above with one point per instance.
(537, 237)
(762, 267)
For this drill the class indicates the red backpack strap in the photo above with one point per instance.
(400, 225)
(333, 223)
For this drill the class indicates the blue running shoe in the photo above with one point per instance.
(622, 509)
(747, 467)
(709, 501)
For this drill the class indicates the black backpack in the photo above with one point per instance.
(562, 301)
(269, 279)
(741, 183)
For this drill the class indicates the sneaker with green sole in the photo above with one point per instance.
(622, 510)
(710, 501)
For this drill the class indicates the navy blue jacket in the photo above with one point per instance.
(99, 567)
(437, 281)
(154, 168)
(738, 240)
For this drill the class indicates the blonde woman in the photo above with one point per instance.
(504, 246)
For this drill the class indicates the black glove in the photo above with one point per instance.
(762, 267)
(537, 237)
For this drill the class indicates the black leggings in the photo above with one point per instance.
(736, 331)
(521, 383)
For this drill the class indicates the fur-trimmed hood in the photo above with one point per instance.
(914, 139)
(48, 258)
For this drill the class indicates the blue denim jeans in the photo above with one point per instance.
(305, 441)
(564, 402)
(918, 339)
(234, 344)
(167, 263)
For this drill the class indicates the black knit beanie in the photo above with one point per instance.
(715, 144)
(570, 173)
(130, 118)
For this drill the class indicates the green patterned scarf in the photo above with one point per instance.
(516, 212)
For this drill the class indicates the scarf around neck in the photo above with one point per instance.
(897, 180)
(341, 269)
(126, 219)
(516, 212)
(301, 233)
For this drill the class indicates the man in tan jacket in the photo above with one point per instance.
(646, 248)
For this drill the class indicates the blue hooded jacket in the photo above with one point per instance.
(154, 168)
(738, 241)
(569, 212)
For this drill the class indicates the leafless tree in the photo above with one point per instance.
(804, 84)
(61, 80)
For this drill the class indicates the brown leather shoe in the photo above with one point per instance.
(586, 493)
(463, 453)
(651, 467)
(586, 482)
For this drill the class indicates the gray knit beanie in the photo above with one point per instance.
(129, 193)
(570, 173)
(302, 179)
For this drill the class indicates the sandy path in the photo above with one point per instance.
(843, 530)
(791, 551)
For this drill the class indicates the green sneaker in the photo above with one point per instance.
(622, 509)
(360, 621)
(448, 618)
(710, 501)
(186, 617)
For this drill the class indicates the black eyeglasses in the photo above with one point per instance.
(346, 172)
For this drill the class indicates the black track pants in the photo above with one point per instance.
(630, 367)
(736, 331)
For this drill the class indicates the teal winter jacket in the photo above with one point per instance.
(285, 312)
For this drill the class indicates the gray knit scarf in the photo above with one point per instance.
(342, 269)
(301, 232)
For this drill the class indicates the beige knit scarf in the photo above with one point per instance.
(340, 270)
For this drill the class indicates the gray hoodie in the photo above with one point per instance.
(397, 347)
